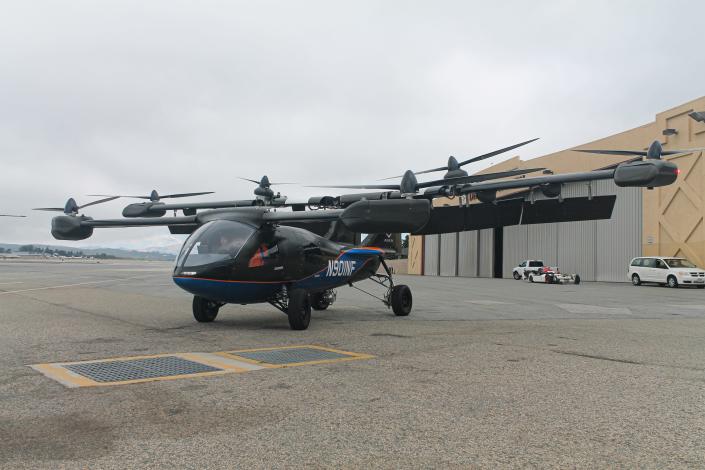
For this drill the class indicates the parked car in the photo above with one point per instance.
(672, 272)
(550, 275)
(525, 267)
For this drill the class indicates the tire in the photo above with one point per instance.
(319, 301)
(577, 279)
(299, 309)
(204, 310)
(636, 280)
(402, 300)
(672, 282)
(531, 278)
(517, 276)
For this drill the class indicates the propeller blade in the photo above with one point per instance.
(184, 194)
(12, 215)
(614, 152)
(52, 209)
(496, 152)
(99, 201)
(248, 179)
(676, 152)
(118, 195)
(277, 184)
(362, 186)
(476, 178)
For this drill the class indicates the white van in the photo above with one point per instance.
(669, 271)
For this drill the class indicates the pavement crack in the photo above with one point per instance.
(602, 358)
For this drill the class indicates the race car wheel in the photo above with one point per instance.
(401, 300)
(636, 280)
(577, 279)
(531, 278)
(299, 309)
(672, 282)
(204, 310)
(319, 301)
(517, 276)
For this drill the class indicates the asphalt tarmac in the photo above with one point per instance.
(483, 373)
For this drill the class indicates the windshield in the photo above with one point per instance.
(679, 263)
(215, 241)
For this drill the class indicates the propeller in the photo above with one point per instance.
(453, 167)
(263, 191)
(654, 152)
(409, 184)
(72, 207)
(11, 215)
(154, 196)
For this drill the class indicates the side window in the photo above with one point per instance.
(638, 262)
(265, 254)
(660, 264)
(535, 264)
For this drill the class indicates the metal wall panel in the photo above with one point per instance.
(576, 248)
(431, 254)
(467, 254)
(486, 253)
(449, 254)
(514, 242)
(543, 243)
(619, 240)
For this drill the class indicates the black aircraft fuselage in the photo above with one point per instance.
(233, 262)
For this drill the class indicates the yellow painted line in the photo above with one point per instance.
(228, 361)
(350, 356)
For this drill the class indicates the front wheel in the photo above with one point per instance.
(531, 278)
(401, 300)
(517, 276)
(672, 282)
(204, 310)
(577, 279)
(636, 280)
(299, 309)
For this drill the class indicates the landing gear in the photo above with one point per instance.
(398, 298)
(401, 300)
(322, 300)
(204, 310)
(299, 309)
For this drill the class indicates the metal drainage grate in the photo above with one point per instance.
(291, 355)
(136, 369)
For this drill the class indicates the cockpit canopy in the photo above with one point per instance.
(214, 242)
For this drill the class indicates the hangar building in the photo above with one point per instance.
(664, 221)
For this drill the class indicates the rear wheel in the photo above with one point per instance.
(517, 276)
(672, 282)
(204, 310)
(299, 309)
(531, 278)
(401, 300)
(577, 279)
(636, 280)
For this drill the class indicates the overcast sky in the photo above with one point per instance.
(126, 96)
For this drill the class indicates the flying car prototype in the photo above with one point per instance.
(255, 251)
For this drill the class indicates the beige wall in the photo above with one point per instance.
(673, 216)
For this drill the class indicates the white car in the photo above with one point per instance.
(669, 271)
(526, 267)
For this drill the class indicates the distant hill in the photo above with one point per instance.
(93, 251)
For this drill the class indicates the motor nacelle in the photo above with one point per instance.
(143, 209)
(487, 196)
(385, 216)
(322, 201)
(68, 227)
(648, 173)
(551, 189)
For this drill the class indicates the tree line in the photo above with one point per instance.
(51, 252)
